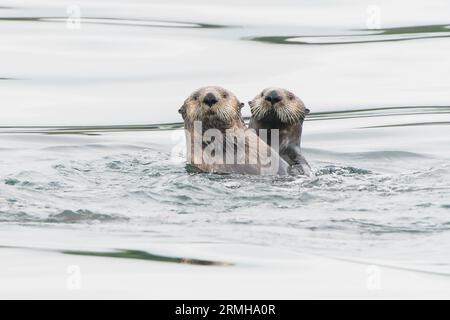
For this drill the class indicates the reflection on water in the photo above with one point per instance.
(142, 255)
(334, 115)
(382, 35)
(118, 22)
(131, 254)
(133, 65)
(90, 137)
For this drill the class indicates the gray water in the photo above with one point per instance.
(90, 140)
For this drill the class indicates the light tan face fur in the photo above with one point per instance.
(209, 104)
(289, 109)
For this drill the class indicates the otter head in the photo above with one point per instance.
(278, 105)
(213, 106)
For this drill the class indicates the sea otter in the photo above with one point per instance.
(217, 139)
(276, 108)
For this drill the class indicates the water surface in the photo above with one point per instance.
(91, 143)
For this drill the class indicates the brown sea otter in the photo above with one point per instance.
(218, 140)
(276, 108)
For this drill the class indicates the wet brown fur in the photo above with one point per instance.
(287, 115)
(223, 115)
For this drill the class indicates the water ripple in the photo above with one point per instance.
(369, 36)
(118, 22)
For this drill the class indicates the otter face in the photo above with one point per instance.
(211, 103)
(275, 104)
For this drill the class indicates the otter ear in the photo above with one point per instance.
(182, 111)
(241, 105)
(250, 103)
(307, 111)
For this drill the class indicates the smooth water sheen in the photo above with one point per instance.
(91, 141)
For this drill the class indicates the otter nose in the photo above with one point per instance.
(273, 97)
(210, 99)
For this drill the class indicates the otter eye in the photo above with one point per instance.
(195, 97)
(291, 97)
(225, 95)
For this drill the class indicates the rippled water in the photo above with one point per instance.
(90, 137)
